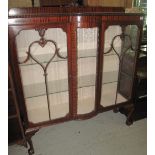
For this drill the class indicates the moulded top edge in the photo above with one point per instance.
(67, 11)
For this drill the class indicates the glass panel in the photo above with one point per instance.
(118, 58)
(110, 66)
(87, 51)
(44, 74)
(129, 48)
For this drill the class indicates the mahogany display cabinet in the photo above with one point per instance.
(67, 62)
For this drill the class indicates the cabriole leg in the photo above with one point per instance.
(129, 120)
(29, 133)
(31, 148)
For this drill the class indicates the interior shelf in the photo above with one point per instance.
(40, 113)
(44, 57)
(86, 99)
(33, 88)
(39, 89)
(109, 94)
(86, 105)
(38, 108)
(61, 85)
(57, 86)
(87, 80)
(43, 61)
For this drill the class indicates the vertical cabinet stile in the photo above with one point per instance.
(100, 59)
(72, 62)
(69, 70)
(13, 32)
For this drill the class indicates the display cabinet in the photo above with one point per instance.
(69, 62)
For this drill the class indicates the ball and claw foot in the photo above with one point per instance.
(129, 122)
(30, 151)
(29, 133)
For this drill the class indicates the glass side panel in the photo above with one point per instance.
(127, 65)
(110, 66)
(118, 64)
(87, 51)
(44, 73)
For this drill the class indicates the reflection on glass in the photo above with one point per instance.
(129, 48)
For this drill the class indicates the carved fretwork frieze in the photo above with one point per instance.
(41, 31)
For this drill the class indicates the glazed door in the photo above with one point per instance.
(119, 60)
(43, 64)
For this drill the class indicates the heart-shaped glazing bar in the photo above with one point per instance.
(122, 37)
(42, 43)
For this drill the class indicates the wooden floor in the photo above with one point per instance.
(105, 134)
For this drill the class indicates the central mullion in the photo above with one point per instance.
(100, 60)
